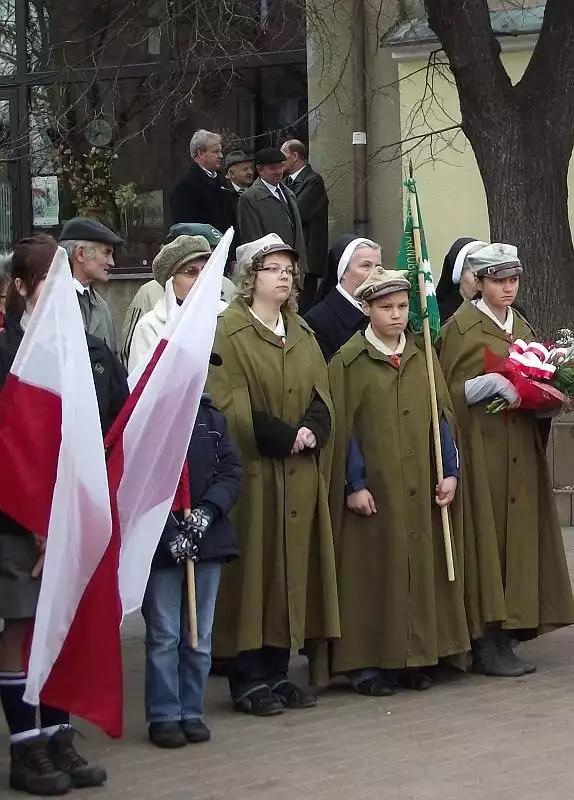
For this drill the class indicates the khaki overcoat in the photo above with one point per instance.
(515, 567)
(282, 590)
(397, 606)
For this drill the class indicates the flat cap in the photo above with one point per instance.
(269, 155)
(210, 233)
(495, 261)
(381, 282)
(272, 243)
(88, 230)
(177, 253)
(235, 157)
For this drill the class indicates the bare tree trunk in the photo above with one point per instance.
(525, 180)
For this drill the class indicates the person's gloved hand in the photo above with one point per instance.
(484, 386)
(198, 521)
(184, 546)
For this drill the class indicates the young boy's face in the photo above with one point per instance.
(389, 314)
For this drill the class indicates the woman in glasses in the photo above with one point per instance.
(273, 389)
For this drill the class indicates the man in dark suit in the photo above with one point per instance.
(202, 194)
(313, 203)
(270, 207)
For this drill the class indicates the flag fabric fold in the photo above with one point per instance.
(407, 259)
(55, 485)
(147, 446)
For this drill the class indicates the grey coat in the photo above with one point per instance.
(260, 213)
(97, 318)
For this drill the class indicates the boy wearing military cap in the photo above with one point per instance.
(399, 612)
(270, 207)
(516, 576)
(90, 248)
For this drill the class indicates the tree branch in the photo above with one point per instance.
(549, 75)
(473, 52)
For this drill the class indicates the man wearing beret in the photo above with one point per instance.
(90, 248)
(270, 207)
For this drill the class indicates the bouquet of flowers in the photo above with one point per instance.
(543, 377)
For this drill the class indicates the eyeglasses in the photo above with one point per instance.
(277, 270)
(190, 272)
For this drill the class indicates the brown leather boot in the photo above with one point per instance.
(32, 770)
(65, 758)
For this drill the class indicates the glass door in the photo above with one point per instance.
(9, 186)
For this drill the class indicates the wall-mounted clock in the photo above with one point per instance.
(99, 132)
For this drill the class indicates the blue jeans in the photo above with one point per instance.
(175, 675)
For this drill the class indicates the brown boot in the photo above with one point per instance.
(65, 758)
(32, 771)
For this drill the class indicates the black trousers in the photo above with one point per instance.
(252, 668)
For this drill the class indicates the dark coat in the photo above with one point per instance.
(214, 481)
(260, 213)
(198, 198)
(110, 378)
(334, 321)
(313, 203)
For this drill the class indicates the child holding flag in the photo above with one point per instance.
(399, 612)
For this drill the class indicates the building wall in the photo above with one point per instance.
(450, 187)
(331, 126)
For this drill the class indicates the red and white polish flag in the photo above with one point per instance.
(147, 445)
(55, 484)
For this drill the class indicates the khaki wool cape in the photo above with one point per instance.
(282, 591)
(397, 606)
(515, 567)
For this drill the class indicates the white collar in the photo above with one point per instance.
(295, 175)
(25, 320)
(80, 288)
(239, 189)
(207, 171)
(278, 330)
(372, 338)
(275, 191)
(349, 297)
(507, 326)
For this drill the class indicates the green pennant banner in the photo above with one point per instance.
(407, 259)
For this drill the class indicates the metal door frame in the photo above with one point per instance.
(15, 160)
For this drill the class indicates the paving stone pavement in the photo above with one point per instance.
(469, 738)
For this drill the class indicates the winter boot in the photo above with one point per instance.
(32, 770)
(490, 659)
(508, 646)
(65, 758)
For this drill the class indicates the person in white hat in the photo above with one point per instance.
(516, 576)
(273, 389)
(399, 612)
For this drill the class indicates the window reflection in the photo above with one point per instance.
(7, 37)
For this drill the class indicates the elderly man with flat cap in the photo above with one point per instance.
(270, 207)
(90, 248)
(238, 169)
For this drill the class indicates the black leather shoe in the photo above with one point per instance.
(382, 685)
(260, 702)
(292, 696)
(490, 659)
(195, 730)
(167, 735)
